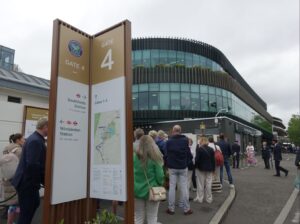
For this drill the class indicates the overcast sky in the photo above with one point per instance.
(259, 37)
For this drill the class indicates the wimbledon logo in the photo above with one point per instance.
(75, 48)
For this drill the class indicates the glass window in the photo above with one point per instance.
(135, 88)
(164, 100)
(153, 100)
(154, 87)
(180, 58)
(164, 86)
(209, 63)
(154, 58)
(212, 103)
(175, 87)
(135, 101)
(185, 101)
(188, 60)
(143, 101)
(202, 61)
(204, 102)
(212, 90)
(164, 57)
(219, 91)
(194, 88)
(185, 87)
(146, 58)
(175, 101)
(138, 57)
(224, 92)
(195, 101)
(219, 102)
(143, 87)
(196, 60)
(172, 58)
(203, 89)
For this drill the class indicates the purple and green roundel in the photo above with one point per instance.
(75, 48)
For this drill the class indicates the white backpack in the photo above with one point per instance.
(8, 165)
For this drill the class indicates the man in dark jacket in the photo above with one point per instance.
(226, 151)
(177, 156)
(31, 172)
(266, 153)
(236, 149)
(278, 158)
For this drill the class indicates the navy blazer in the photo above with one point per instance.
(277, 152)
(205, 158)
(30, 173)
(236, 148)
(178, 153)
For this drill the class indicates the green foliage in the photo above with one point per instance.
(294, 129)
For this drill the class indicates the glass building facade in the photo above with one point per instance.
(177, 76)
(7, 58)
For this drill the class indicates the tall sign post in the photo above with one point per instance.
(89, 153)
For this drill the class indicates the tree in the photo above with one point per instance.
(294, 129)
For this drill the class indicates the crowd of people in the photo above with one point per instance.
(159, 160)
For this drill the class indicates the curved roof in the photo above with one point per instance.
(196, 47)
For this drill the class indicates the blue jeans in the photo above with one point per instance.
(180, 177)
(228, 171)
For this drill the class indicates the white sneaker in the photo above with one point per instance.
(231, 186)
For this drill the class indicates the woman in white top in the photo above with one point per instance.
(216, 184)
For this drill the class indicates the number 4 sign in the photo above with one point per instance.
(107, 61)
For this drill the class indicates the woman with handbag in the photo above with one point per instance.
(205, 167)
(148, 181)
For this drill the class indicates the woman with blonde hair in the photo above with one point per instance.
(205, 167)
(148, 170)
(153, 134)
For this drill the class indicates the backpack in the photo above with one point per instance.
(219, 158)
(8, 165)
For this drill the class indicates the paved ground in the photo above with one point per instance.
(294, 215)
(260, 195)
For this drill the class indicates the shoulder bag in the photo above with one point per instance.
(156, 193)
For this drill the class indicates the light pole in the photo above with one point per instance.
(216, 117)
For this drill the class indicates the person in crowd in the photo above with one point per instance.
(236, 149)
(30, 173)
(278, 158)
(265, 154)
(297, 160)
(250, 155)
(216, 184)
(15, 147)
(148, 170)
(226, 151)
(177, 157)
(191, 166)
(138, 133)
(153, 134)
(205, 167)
(161, 141)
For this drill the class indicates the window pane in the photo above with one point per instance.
(180, 58)
(164, 86)
(224, 92)
(172, 58)
(202, 61)
(175, 87)
(154, 58)
(212, 103)
(185, 87)
(203, 89)
(195, 88)
(225, 103)
(208, 63)
(212, 90)
(153, 100)
(143, 101)
(138, 57)
(188, 60)
(143, 87)
(219, 102)
(135, 88)
(146, 58)
(195, 101)
(154, 87)
(185, 101)
(204, 102)
(135, 101)
(219, 91)
(196, 60)
(164, 57)
(175, 101)
(164, 100)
